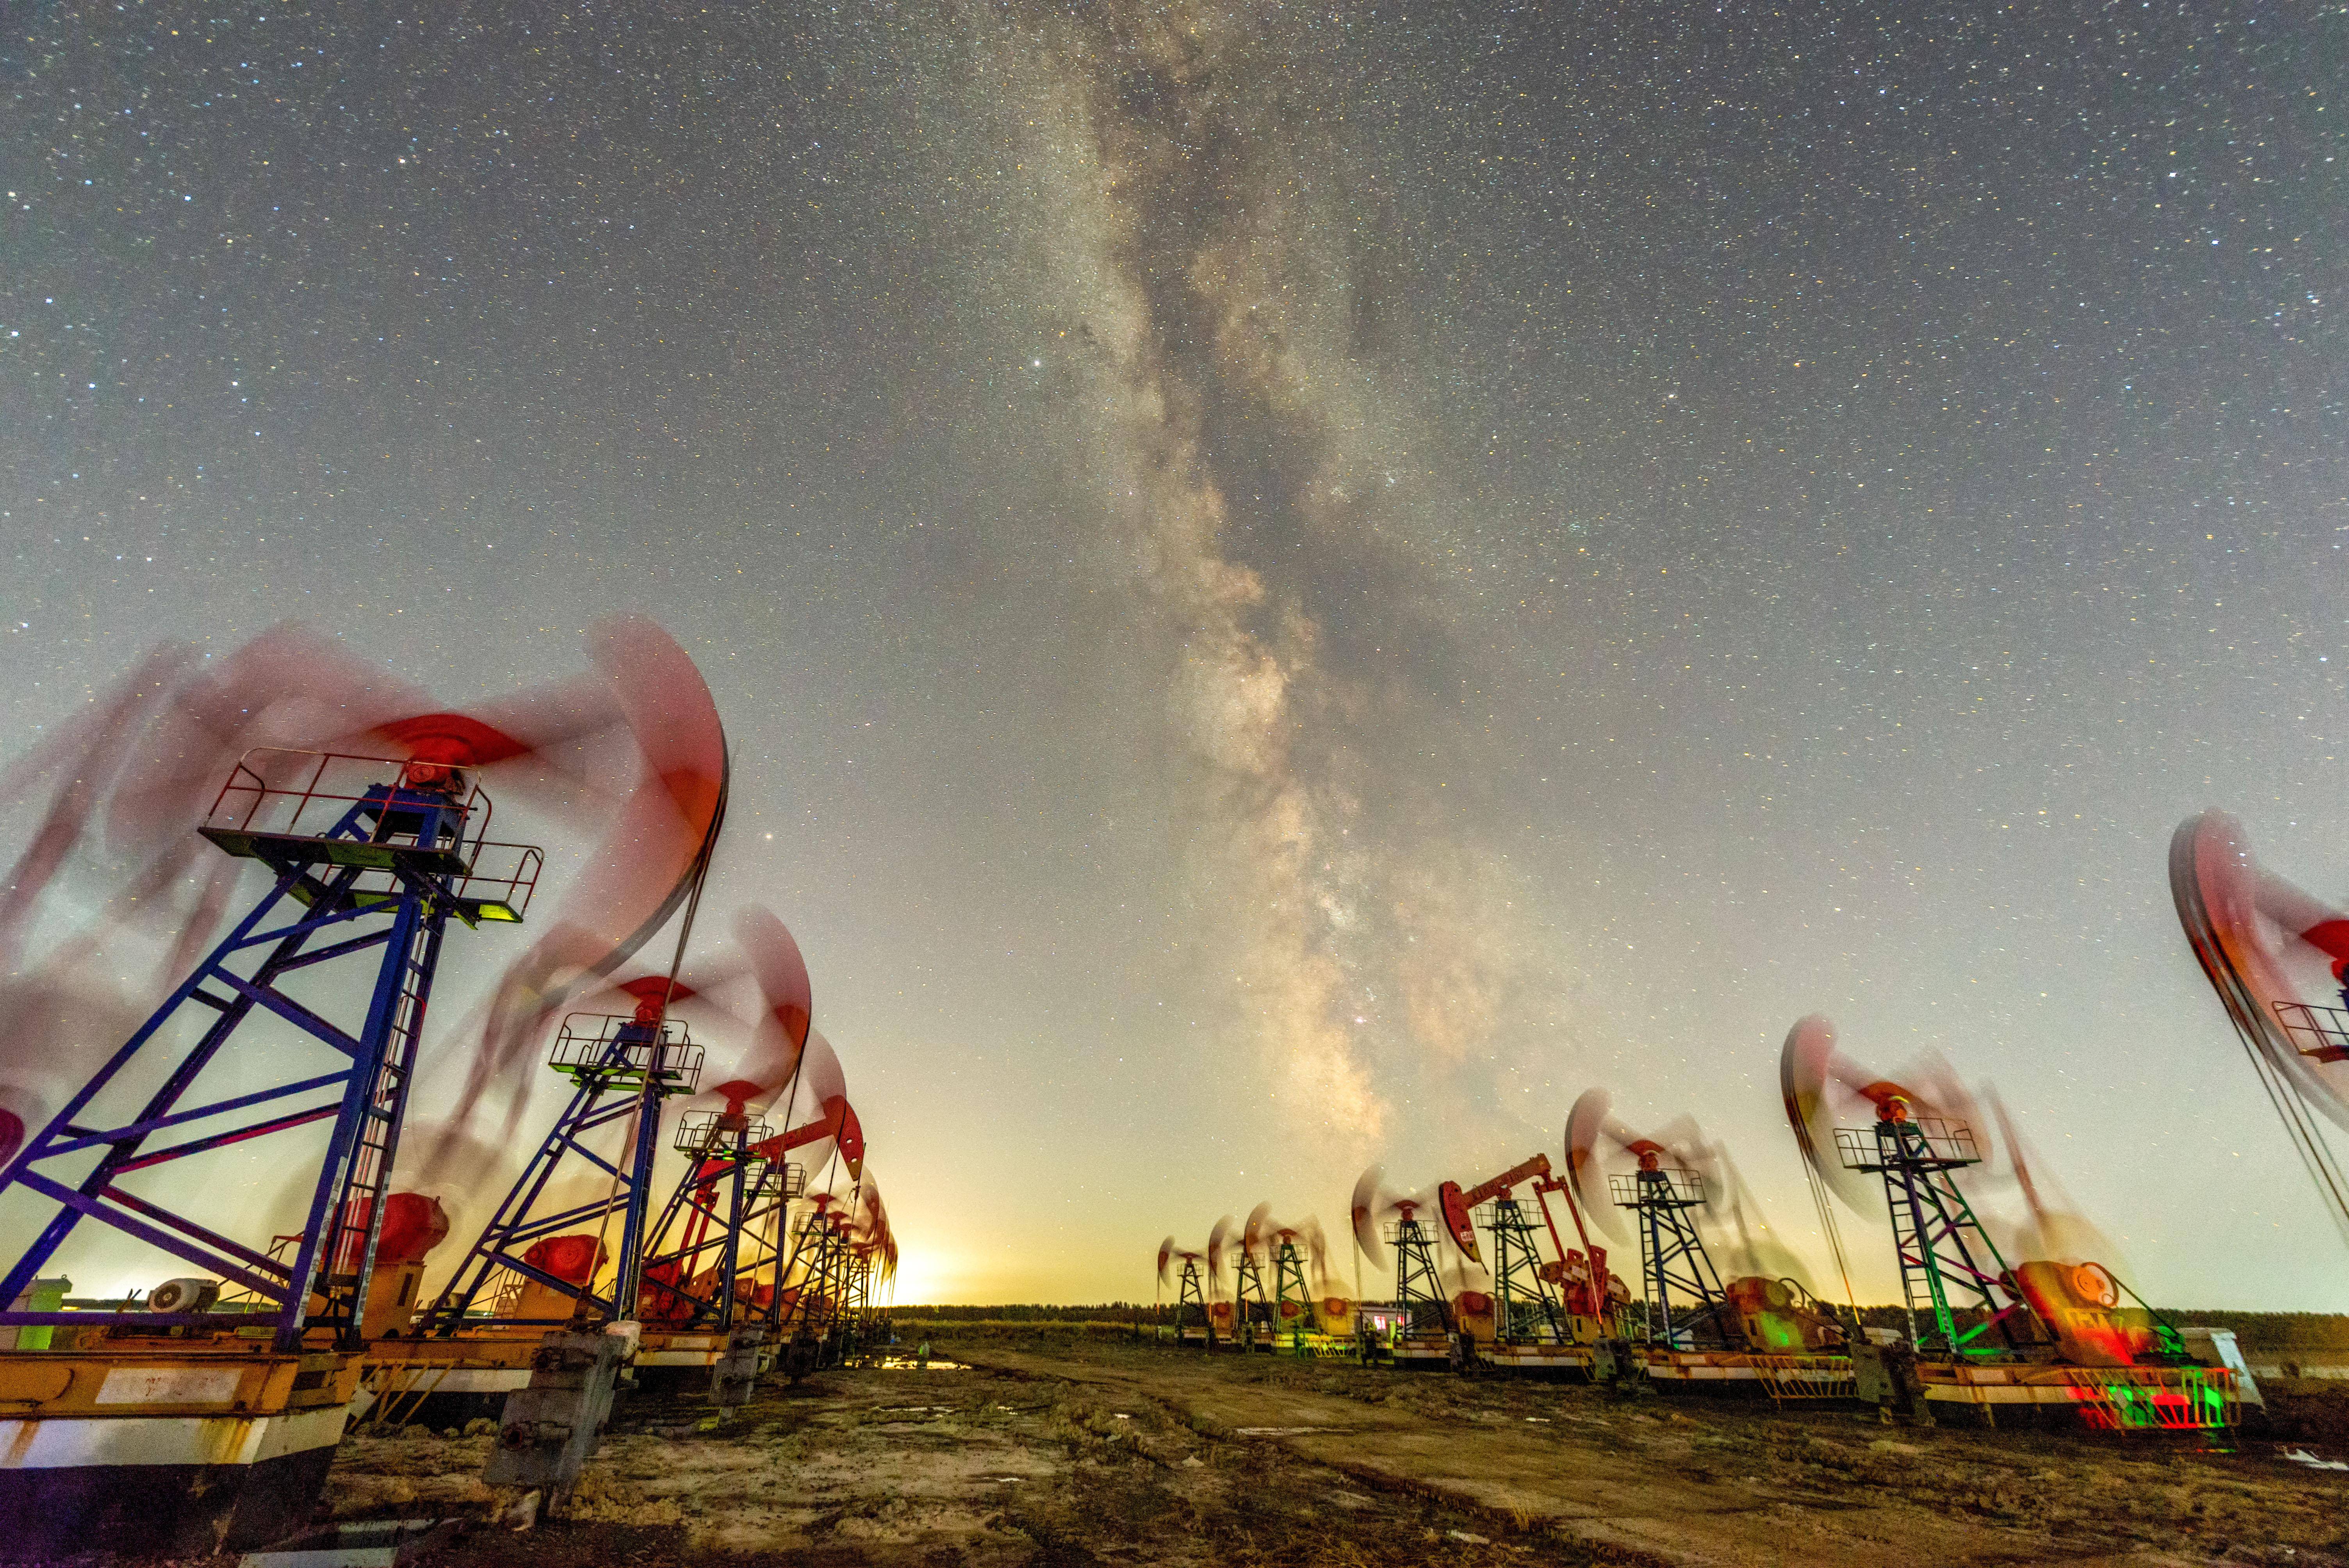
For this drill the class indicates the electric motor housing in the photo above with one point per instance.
(191, 1294)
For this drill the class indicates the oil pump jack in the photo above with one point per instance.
(714, 1262)
(542, 1264)
(1223, 1311)
(1693, 1327)
(2048, 1333)
(2279, 960)
(371, 821)
(814, 1281)
(872, 1266)
(1681, 1300)
(1543, 1314)
(620, 1066)
(1310, 1319)
(697, 1298)
(1256, 1315)
(1192, 1324)
(1591, 1296)
(811, 1303)
(552, 1425)
(1424, 1317)
(1291, 1314)
(370, 858)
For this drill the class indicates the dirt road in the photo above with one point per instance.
(1706, 1481)
(1053, 1455)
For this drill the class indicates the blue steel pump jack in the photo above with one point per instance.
(620, 1066)
(374, 889)
(617, 1065)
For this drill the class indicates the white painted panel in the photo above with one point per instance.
(169, 1386)
(406, 1382)
(300, 1430)
(76, 1442)
(483, 1380)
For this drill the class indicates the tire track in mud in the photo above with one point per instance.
(1648, 1484)
(1110, 1456)
(1438, 1512)
(1311, 1443)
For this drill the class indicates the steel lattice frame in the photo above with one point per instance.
(810, 1303)
(1191, 1292)
(1418, 1289)
(407, 842)
(626, 1074)
(840, 1263)
(1672, 1258)
(728, 1209)
(1940, 1246)
(1249, 1303)
(1288, 1286)
(858, 1316)
(1524, 1310)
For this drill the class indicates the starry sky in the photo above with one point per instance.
(1290, 584)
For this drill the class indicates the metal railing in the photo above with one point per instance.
(704, 1132)
(619, 1050)
(1932, 1141)
(2318, 1033)
(278, 792)
(1634, 1189)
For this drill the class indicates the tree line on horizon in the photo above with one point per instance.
(2254, 1330)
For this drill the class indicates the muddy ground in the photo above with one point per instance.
(1056, 1451)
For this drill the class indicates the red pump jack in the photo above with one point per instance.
(1542, 1315)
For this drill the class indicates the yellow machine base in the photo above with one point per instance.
(190, 1446)
(2107, 1398)
(1782, 1377)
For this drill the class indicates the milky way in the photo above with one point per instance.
(1251, 462)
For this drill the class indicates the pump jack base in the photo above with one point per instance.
(1425, 1353)
(188, 1449)
(1537, 1358)
(1812, 1376)
(404, 1377)
(57, 1511)
(2104, 1399)
(699, 1349)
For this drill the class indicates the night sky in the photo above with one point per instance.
(1290, 584)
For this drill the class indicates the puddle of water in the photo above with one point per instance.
(907, 1364)
(1285, 1431)
(2304, 1456)
(376, 1544)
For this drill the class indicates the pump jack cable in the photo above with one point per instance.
(783, 1210)
(1821, 1201)
(623, 1277)
(2307, 1136)
(2252, 1032)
